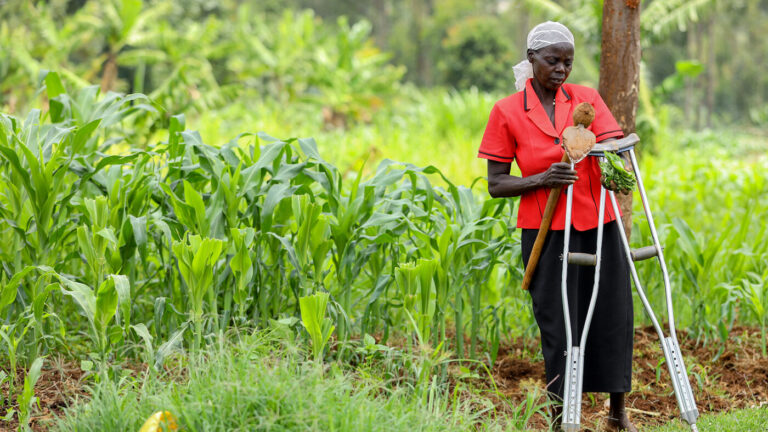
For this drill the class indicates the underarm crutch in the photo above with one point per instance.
(669, 344)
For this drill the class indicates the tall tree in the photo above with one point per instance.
(380, 13)
(422, 10)
(620, 71)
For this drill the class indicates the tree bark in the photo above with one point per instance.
(525, 26)
(711, 69)
(109, 76)
(620, 72)
(697, 81)
(421, 11)
(690, 47)
(381, 18)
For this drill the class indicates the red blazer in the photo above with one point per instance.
(520, 130)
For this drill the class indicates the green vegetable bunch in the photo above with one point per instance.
(614, 176)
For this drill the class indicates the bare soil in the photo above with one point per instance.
(60, 384)
(722, 378)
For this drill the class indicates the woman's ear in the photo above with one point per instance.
(530, 54)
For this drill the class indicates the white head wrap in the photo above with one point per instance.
(544, 34)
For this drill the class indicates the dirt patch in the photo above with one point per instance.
(59, 385)
(723, 377)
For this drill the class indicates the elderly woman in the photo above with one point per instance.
(526, 128)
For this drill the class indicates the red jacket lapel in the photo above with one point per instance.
(562, 109)
(536, 111)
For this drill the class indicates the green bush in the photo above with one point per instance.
(476, 52)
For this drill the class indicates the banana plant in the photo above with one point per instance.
(121, 24)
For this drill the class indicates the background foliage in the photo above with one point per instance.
(145, 215)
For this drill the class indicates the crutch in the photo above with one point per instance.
(574, 365)
(669, 344)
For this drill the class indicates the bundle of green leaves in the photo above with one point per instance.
(614, 176)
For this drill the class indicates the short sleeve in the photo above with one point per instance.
(497, 145)
(604, 126)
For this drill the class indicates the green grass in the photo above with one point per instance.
(259, 383)
(747, 420)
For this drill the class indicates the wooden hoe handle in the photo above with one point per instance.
(546, 221)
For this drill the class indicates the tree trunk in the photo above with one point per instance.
(711, 70)
(421, 11)
(380, 13)
(699, 80)
(109, 76)
(620, 72)
(525, 26)
(688, 109)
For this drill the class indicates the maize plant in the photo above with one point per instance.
(197, 258)
(99, 306)
(148, 234)
(315, 322)
(242, 265)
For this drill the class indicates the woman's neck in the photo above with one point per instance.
(546, 96)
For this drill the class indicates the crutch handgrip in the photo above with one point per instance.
(582, 259)
(644, 253)
(546, 222)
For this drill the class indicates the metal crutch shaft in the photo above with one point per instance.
(672, 353)
(574, 368)
(670, 346)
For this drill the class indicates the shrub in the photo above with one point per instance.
(476, 52)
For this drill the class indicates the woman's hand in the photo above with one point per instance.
(558, 174)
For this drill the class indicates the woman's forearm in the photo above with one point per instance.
(502, 184)
(505, 185)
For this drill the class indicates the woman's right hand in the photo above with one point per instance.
(558, 174)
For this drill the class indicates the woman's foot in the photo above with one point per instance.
(617, 417)
(620, 424)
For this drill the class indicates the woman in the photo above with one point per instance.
(526, 128)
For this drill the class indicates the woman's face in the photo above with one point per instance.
(552, 64)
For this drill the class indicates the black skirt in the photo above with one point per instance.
(608, 354)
